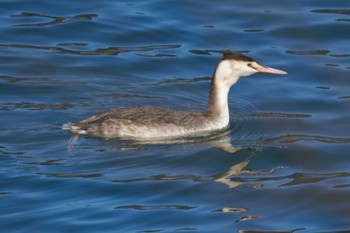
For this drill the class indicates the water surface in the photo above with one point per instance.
(281, 167)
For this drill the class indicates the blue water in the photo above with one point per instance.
(63, 61)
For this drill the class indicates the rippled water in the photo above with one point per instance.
(283, 166)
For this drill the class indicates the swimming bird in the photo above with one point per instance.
(149, 122)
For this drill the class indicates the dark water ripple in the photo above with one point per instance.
(332, 11)
(281, 166)
(309, 52)
(294, 138)
(159, 207)
(99, 51)
(53, 19)
(34, 106)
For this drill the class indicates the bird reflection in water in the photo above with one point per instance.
(241, 169)
(220, 140)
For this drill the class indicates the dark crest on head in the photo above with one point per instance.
(229, 55)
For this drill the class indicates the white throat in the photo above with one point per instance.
(227, 73)
(224, 77)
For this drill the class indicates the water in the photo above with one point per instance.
(64, 61)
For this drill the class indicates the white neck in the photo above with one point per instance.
(224, 78)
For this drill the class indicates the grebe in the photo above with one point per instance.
(147, 122)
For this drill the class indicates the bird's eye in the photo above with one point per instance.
(250, 65)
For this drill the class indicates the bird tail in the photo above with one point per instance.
(74, 128)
